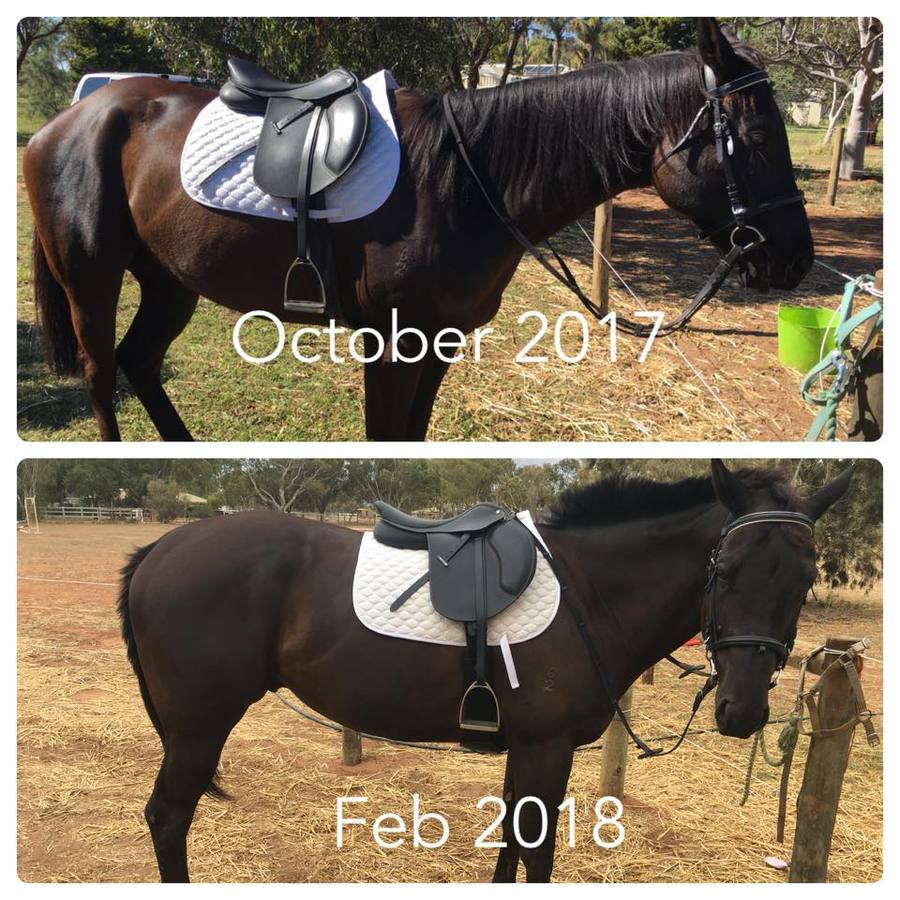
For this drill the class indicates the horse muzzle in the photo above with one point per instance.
(737, 719)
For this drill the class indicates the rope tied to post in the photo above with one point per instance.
(806, 703)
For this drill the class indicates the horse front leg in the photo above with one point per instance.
(540, 770)
(400, 395)
(508, 857)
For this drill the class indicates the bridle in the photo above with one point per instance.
(723, 135)
(737, 221)
(711, 630)
(713, 639)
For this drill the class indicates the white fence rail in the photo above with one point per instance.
(94, 514)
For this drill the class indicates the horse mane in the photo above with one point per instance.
(552, 142)
(621, 498)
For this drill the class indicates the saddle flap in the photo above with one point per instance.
(477, 576)
(286, 143)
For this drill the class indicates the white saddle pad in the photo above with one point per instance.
(383, 573)
(217, 162)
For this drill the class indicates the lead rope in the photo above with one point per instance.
(793, 728)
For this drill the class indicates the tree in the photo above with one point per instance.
(416, 49)
(281, 483)
(112, 44)
(473, 41)
(558, 27)
(838, 60)
(638, 36)
(45, 80)
(162, 499)
(518, 31)
(590, 37)
(32, 30)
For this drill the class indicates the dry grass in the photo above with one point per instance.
(88, 755)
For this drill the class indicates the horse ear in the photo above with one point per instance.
(716, 50)
(729, 491)
(827, 495)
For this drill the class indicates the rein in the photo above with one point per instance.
(740, 211)
(711, 629)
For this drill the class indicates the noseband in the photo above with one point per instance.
(723, 134)
(713, 639)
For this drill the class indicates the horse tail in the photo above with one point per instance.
(124, 607)
(54, 314)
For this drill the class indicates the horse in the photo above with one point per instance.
(220, 611)
(104, 186)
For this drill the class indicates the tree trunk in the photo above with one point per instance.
(518, 31)
(853, 156)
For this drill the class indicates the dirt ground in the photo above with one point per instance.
(87, 758)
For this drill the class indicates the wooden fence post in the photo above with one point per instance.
(602, 243)
(351, 747)
(615, 752)
(835, 165)
(820, 792)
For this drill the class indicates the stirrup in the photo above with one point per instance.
(479, 709)
(305, 306)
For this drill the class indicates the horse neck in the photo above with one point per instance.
(640, 585)
(540, 143)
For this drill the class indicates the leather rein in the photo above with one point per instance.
(713, 640)
(744, 237)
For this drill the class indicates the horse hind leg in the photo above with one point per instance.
(165, 309)
(187, 772)
(93, 309)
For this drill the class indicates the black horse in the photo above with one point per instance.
(104, 184)
(219, 612)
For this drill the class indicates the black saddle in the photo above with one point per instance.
(311, 136)
(479, 563)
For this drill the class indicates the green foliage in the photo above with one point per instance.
(45, 84)
(417, 49)
(111, 44)
(637, 36)
(162, 499)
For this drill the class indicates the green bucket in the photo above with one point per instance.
(804, 336)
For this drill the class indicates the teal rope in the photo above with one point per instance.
(839, 362)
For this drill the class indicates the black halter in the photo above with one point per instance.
(713, 113)
(744, 238)
(713, 639)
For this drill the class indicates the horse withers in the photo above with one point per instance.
(219, 612)
(103, 180)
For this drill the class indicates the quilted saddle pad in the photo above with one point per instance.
(383, 573)
(217, 162)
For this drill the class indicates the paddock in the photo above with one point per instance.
(87, 756)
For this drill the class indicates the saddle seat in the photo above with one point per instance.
(250, 87)
(479, 563)
(311, 135)
(398, 529)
